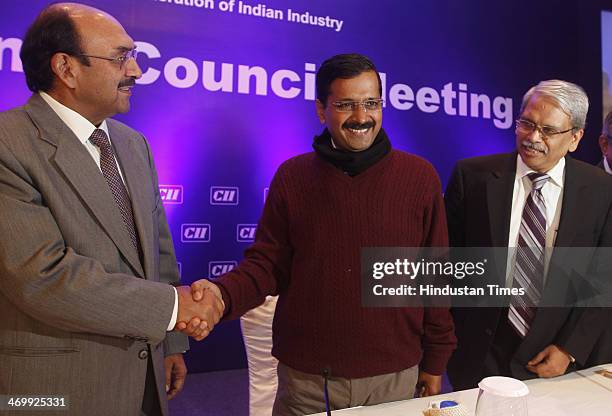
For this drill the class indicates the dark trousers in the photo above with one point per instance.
(150, 399)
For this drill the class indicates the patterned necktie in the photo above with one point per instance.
(529, 264)
(110, 171)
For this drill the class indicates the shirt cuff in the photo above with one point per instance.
(172, 323)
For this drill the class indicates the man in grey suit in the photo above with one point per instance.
(86, 255)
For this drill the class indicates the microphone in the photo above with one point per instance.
(326, 375)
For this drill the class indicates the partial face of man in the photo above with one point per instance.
(605, 144)
(542, 153)
(353, 130)
(104, 88)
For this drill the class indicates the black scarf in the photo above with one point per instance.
(352, 163)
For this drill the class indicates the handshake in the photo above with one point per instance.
(200, 307)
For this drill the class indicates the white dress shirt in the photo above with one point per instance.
(82, 129)
(607, 166)
(552, 191)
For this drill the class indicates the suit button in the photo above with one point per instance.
(143, 354)
(488, 332)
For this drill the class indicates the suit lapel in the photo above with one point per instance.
(500, 186)
(135, 177)
(573, 190)
(77, 165)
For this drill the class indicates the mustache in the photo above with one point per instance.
(540, 147)
(358, 126)
(128, 82)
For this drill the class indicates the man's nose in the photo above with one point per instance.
(132, 68)
(360, 114)
(535, 135)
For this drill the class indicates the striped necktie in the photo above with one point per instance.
(529, 264)
(108, 165)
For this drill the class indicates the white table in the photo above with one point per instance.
(582, 393)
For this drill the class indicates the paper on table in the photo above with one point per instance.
(602, 375)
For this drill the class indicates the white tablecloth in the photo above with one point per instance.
(583, 393)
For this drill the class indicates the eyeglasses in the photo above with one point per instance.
(120, 60)
(350, 106)
(527, 127)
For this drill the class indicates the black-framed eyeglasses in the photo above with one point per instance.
(120, 60)
(527, 127)
(350, 106)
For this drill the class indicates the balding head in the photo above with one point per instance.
(75, 10)
(85, 18)
(83, 58)
(60, 27)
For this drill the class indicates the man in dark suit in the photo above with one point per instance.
(605, 144)
(532, 199)
(86, 256)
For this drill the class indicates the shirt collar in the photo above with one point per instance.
(80, 126)
(607, 166)
(332, 142)
(556, 173)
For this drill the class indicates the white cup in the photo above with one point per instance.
(502, 396)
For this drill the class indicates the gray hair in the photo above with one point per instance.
(607, 127)
(571, 98)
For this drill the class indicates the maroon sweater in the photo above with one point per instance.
(307, 249)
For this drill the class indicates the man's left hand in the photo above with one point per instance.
(428, 384)
(552, 361)
(176, 371)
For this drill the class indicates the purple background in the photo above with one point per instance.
(203, 139)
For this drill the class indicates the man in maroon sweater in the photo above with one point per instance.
(353, 191)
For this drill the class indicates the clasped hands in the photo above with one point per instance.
(200, 307)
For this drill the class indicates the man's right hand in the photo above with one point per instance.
(198, 316)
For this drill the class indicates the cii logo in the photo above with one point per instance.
(245, 233)
(219, 268)
(171, 194)
(224, 195)
(195, 233)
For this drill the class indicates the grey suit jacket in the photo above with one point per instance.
(79, 311)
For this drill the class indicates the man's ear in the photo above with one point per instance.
(603, 144)
(576, 140)
(65, 69)
(320, 111)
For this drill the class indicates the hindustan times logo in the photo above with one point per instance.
(245, 233)
(224, 195)
(171, 194)
(195, 233)
(219, 268)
